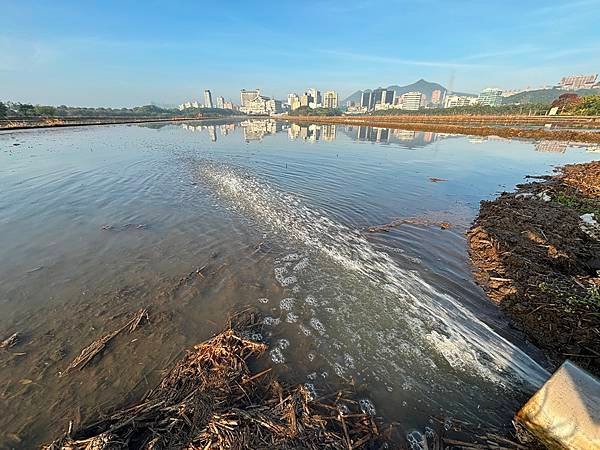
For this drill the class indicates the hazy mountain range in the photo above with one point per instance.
(425, 87)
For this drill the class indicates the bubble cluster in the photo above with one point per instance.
(287, 304)
(367, 407)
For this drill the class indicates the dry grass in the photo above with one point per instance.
(211, 400)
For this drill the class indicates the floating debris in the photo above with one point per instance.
(409, 221)
(10, 341)
(88, 353)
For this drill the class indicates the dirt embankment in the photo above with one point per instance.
(470, 126)
(25, 124)
(539, 260)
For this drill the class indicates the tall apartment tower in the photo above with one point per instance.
(365, 100)
(207, 99)
(330, 99)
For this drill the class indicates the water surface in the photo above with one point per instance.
(196, 220)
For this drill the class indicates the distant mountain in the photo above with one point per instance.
(425, 87)
(544, 96)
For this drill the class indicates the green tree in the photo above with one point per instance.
(44, 110)
(3, 109)
(25, 109)
(586, 106)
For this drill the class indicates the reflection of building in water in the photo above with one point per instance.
(404, 135)
(255, 130)
(404, 138)
(373, 134)
(312, 132)
(551, 146)
(361, 133)
(227, 128)
(329, 132)
(210, 129)
(212, 132)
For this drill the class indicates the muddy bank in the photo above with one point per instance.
(467, 127)
(22, 124)
(536, 253)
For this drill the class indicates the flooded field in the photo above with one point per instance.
(196, 220)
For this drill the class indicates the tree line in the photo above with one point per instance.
(26, 110)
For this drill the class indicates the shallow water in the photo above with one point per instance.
(97, 222)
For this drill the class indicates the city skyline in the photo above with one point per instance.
(88, 55)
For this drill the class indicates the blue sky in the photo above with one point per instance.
(124, 53)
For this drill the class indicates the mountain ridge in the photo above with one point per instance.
(423, 86)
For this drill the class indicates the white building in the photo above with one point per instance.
(248, 96)
(490, 97)
(293, 100)
(454, 100)
(255, 104)
(575, 82)
(411, 101)
(330, 99)
(208, 103)
(220, 102)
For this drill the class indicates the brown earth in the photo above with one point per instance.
(534, 260)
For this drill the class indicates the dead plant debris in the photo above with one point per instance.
(409, 221)
(96, 347)
(10, 341)
(211, 400)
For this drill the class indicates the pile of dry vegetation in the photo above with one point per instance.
(211, 400)
(537, 258)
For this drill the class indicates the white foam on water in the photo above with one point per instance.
(392, 308)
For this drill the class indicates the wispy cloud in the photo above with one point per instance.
(572, 52)
(525, 50)
(401, 61)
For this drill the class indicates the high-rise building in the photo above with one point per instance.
(305, 100)
(490, 97)
(575, 82)
(316, 98)
(220, 102)
(386, 97)
(436, 97)
(330, 99)
(293, 100)
(365, 100)
(412, 101)
(207, 99)
(248, 96)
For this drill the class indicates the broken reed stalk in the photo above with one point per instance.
(211, 400)
(89, 352)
